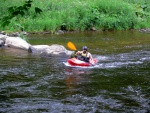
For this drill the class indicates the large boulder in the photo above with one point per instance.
(3, 36)
(38, 48)
(2, 40)
(46, 50)
(55, 49)
(1, 43)
(17, 42)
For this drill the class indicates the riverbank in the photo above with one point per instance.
(69, 15)
(59, 32)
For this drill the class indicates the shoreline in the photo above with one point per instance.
(59, 32)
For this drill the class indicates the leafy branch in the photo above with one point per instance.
(20, 10)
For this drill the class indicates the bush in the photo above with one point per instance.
(77, 15)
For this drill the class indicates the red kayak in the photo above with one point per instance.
(77, 62)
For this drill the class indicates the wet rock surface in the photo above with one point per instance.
(19, 43)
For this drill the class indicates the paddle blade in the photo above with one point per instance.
(71, 46)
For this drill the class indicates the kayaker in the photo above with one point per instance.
(84, 55)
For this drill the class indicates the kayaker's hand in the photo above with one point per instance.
(78, 53)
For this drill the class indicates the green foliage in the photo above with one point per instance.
(14, 11)
(75, 15)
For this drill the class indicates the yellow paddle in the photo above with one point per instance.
(71, 46)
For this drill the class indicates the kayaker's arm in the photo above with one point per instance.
(73, 54)
(78, 52)
(90, 55)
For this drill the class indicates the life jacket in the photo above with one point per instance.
(84, 54)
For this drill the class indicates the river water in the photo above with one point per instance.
(119, 82)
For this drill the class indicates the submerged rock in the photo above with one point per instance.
(54, 49)
(38, 48)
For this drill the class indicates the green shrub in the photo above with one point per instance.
(77, 15)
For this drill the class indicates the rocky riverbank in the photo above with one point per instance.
(58, 32)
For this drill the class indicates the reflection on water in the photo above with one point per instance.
(118, 83)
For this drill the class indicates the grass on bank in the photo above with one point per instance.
(79, 15)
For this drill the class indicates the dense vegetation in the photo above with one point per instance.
(51, 15)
